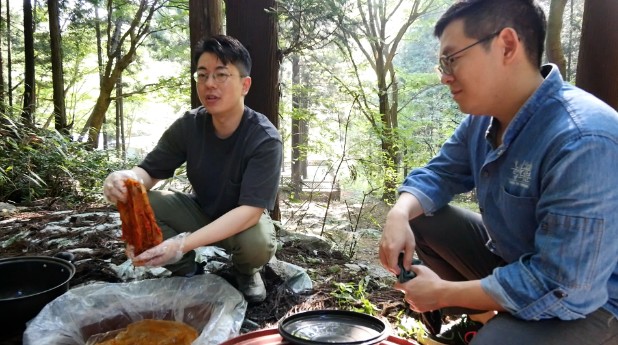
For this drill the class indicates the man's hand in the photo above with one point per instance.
(424, 291)
(114, 189)
(168, 252)
(397, 235)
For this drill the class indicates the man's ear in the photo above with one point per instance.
(246, 85)
(510, 43)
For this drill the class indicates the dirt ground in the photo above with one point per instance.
(102, 247)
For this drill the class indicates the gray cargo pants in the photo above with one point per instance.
(178, 212)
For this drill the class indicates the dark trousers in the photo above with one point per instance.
(452, 244)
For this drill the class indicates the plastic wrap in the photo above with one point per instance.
(295, 277)
(206, 302)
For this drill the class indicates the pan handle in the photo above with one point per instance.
(67, 256)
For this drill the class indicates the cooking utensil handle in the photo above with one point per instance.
(67, 256)
(404, 275)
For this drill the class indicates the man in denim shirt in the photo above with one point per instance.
(538, 265)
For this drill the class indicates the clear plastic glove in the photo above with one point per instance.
(114, 189)
(130, 251)
(166, 253)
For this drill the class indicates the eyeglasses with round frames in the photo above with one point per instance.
(219, 77)
(446, 61)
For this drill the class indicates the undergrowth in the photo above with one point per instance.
(40, 163)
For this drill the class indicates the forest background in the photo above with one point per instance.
(88, 86)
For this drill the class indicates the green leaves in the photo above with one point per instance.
(37, 163)
(351, 296)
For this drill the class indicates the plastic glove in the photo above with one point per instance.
(114, 189)
(166, 253)
(130, 251)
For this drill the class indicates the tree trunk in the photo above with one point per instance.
(27, 114)
(205, 20)
(379, 49)
(257, 30)
(119, 103)
(60, 117)
(2, 85)
(249, 22)
(97, 30)
(120, 147)
(569, 55)
(9, 67)
(304, 123)
(553, 41)
(296, 173)
(597, 69)
(97, 117)
(135, 31)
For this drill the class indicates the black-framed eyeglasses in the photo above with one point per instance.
(446, 61)
(219, 77)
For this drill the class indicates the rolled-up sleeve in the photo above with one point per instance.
(447, 174)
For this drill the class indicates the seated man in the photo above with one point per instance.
(233, 156)
(538, 265)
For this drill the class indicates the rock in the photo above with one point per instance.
(311, 242)
(334, 269)
(370, 233)
(7, 209)
(353, 267)
(379, 272)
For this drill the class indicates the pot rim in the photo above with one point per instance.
(43, 259)
(271, 336)
(325, 317)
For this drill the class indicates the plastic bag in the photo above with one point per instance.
(206, 302)
(295, 277)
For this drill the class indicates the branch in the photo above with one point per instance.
(360, 85)
(341, 159)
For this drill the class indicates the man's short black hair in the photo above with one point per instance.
(482, 17)
(227, 49)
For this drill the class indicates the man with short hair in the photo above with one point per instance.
(538, 265)
(233, 157)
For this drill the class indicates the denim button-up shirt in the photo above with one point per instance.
(549, 200)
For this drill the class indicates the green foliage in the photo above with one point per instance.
(409, 327)
(308, 24)
(39, 163)
(427, 120)
(351, 296)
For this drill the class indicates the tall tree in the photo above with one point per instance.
(27, 113)
(120, 138)
(553, 41)
(597, 68)
(378, 46)
(9, 75)
(205, 20)
(60, 116)
(97, 29)
(133, 33)
(304, 25)
(299, 124)
(253, 24)
(2, 85)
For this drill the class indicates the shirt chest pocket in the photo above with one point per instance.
(519, 214)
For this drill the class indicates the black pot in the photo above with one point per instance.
(28, 284)
(331, 327)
